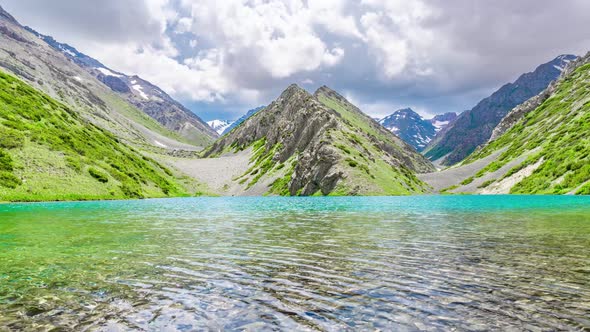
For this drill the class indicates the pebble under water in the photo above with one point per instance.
(352, 263)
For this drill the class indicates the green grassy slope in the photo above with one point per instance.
(558, 134)
(355, 118)
(48, 152)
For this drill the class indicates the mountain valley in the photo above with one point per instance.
(72, 128)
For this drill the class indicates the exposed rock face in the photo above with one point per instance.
(142, 94)
(295, 121)
(242, 119)
(474, 127)
(44, 67)
(320, 144)
(543, 146)
(116, 84)
(530, 105)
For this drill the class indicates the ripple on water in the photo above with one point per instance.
(424, 263)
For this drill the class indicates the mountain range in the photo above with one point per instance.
(71, 129)
(51, 71)
(474, 127)
(140, 93)
(220, 125)
(303, 144)
(223, 127)
(413, 128)
(540, 147)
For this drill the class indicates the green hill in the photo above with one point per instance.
(552, 137)
(48, 152)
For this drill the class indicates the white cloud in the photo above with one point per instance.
(432, 55)
(277, 37)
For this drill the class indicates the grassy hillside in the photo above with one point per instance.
(356, 120)
(474, 127)
(556, 137)
(48, 152)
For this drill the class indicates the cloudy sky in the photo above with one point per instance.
(221, 58)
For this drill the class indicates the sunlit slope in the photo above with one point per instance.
(48, 152)
(554, 137)
(302, 146)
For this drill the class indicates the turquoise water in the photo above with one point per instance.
(395, 263)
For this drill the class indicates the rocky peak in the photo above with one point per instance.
(294, 91)
(410, 127)
(318, 142)
(326, 91)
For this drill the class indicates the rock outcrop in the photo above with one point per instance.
(322, 144)
(530, 105)
(142, 94)
(474, 127)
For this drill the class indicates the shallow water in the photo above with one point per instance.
(397, 263)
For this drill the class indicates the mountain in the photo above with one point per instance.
(474, 127)
(303, 144)
(43, 67)
(541, 147)
(49, 152)
(414, 129)
(142, 94)
(442, 121)
(242, 119)
(220, 125)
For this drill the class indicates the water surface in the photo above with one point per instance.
(396, 263)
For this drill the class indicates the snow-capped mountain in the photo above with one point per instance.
(220, 125)
(242, 119)
(414, 129)
(142, 94)
(441, 121)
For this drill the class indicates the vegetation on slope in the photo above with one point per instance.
(474, 127)
(377, 134)
(312, 148)
(557, 135)
(48, 152)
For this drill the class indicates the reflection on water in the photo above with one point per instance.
(412, 263)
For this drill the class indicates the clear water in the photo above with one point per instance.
(399, 263)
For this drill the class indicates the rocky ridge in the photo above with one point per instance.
(544, 147)
(530, 105)
(474, 127)
(306, 146)
(43, 67)
(142, 94)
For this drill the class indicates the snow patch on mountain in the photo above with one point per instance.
(108, 72)
(440, 124)
(413, 128)
(220, 125)
(139, 90)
